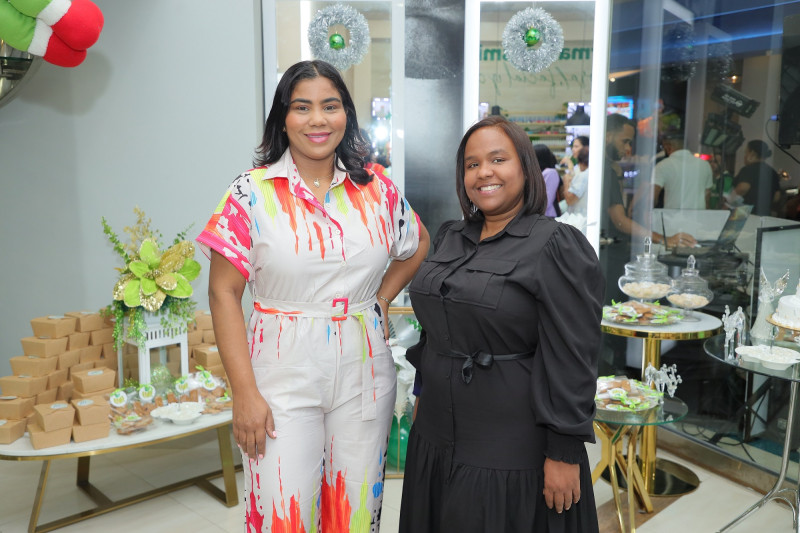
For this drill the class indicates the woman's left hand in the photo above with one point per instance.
(562, 484)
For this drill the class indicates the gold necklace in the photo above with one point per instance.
(315, 181)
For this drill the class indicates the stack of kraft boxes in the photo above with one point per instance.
(60, 346)
(203, 345)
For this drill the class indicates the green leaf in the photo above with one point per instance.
(132, 293)
(168, 281)
(183, 290)
(190, 269)
(138, 268)
(148, 286)
(148, 252)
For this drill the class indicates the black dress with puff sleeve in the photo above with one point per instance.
(508, 365)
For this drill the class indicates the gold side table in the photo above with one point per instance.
(662, 477)
(611, 428)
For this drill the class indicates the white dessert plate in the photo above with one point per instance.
(776, 358)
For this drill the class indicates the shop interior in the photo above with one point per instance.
(164, 122)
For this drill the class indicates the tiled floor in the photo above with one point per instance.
(707, 509)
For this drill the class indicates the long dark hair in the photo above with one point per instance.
(545, 156)
(534, 196)
(351, 150)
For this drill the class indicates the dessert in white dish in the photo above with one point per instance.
(787, 313)
(776, 357)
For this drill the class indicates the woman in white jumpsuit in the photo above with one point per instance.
(310, 232)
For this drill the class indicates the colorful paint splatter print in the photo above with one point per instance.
(327, 380)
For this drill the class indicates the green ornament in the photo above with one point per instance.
(532, 37)
(336, 41)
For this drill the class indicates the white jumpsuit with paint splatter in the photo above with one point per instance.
(316, 338)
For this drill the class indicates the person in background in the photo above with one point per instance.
(552, 181)
(615, 222)
(757, 183)
(575, 188)
(310, 232)
(568, 162)
(685, 179)
(508, 377)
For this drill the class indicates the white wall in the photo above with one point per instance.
(163, 114)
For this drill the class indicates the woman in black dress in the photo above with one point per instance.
(510, 304)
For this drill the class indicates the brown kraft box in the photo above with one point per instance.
(57, 415)
(108, 351)
(91, 432)
(92, 410)
(203, 320)
(11, 430)
(194, 349)
(107, 363)
(26, 387)
(100, 337)
(208, 356)
(41, 439)
(217, 370)
(93, 380)
(15, 408)
(56, 378)
(78, 340)
(208, 336)
(87, 320)
(69, 358)
(48, 396)
(77, 395)
(195, 337)
(53, 326)
(43, 347)
(81, 367)
(31, 365)
(92, 353)
(65, 391)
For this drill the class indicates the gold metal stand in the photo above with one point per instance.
(662, 477)
(611, 440)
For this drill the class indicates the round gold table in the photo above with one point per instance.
(662, 477)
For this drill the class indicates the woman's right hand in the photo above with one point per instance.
(252, 422)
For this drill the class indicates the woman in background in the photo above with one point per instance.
(552, 181)
(510, 304)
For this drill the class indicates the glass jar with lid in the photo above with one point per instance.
(690, 291)
(645, 279)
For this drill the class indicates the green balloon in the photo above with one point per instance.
(398, 441)
(532, 37)
(336, 41)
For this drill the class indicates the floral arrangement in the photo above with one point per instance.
(151, 281)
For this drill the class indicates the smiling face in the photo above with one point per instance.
(493, 177)
(316, 120)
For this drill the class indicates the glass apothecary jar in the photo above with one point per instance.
(690, 291)
(645, 279)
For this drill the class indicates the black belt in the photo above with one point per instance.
(482, 359)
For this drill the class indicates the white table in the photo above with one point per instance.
(160, 431)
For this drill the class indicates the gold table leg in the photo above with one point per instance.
(37, 502)
(611, 441)
(651, 355)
